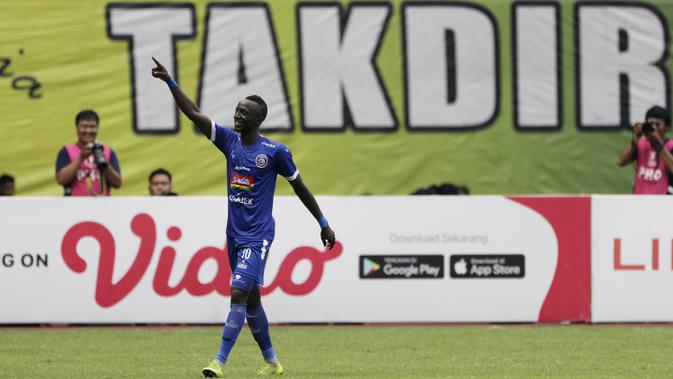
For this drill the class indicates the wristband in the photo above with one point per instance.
(323, 222)
(172, 84)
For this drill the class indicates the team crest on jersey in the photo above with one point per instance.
(243, 182)
(262, 160)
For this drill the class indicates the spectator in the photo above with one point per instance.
(161, 183)
(651, 151)
(6, 185)
(462, 190)
(79, 165)
(443, 189)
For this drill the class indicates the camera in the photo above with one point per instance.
(648, 127)
(99, 155)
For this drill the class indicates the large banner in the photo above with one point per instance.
(448, 259)
(372, 97)
(632, 259)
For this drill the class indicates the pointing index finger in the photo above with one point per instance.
(156, 62)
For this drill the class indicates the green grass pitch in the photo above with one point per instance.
(488, 351)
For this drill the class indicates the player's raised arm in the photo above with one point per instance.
(327, 235)
(186, 105)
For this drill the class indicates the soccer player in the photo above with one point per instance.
(253, 161)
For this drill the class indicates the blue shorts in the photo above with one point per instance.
(247, 259)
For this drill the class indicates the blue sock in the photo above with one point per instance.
(231, 330)
(259, 326)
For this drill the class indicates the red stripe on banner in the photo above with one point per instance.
(569, 296)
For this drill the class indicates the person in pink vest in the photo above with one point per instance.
(87, 168)
(651, 151)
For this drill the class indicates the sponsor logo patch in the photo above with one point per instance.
(240, 200)
(243, 182)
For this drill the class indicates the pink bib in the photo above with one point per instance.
(651, 171)
(87, 172)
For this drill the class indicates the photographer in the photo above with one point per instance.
(87, 168)
(651, 151)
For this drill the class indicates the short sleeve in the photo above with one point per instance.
(222, 137)
(669, 144)
(285, 165)
(62, 159)
(115, 162)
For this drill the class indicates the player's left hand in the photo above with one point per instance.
(327, 237)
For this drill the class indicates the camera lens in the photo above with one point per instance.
(648, 127)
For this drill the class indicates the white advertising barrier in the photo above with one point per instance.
(631, 267)
(135, 260)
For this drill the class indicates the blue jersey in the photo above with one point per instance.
(251, 177)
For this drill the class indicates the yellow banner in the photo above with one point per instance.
(372, 98)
